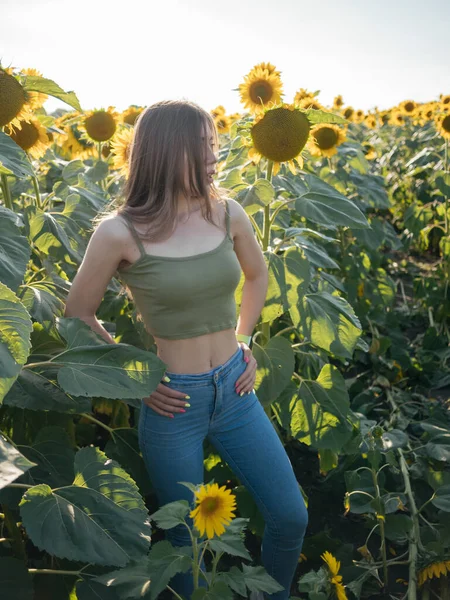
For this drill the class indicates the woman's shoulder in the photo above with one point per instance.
(111, 227)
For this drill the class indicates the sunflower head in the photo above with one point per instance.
(433, 570)
(260, 89)
(302, 94)
(335, 579)
(31, 137)
(408, 107)
(120, 149)
(325, 138)
(397, 118)
(214, 509)
(100, 125)
(130, 115)
(223, 123)
(443, 125)
(348, 113)
(280, 134)
(269, 68)
(309, 102)
(73, 142)
(36, 99)
(216, 112)
(14, 99)
(371, 121)
(338, 102)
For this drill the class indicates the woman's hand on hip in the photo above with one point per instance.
(245, 383)
(166, 401)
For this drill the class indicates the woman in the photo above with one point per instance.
(180, 248)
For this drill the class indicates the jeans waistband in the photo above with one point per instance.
(208, 375)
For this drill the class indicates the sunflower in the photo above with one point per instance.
(348, 113)
(358, 116)
(216, 112)
(235, 117)
(336, 579)
(223, 123)
(444, 99)
(269, 68)
(338, 102)
(260, 89)
(280, 134)
(215, 509)
(14, 99)
(303, 94)
(443, 125)
(371, 121)
(385, 116)
(130, 115)
(433, 570)
(36, 99)
(397, 118)
(31, 136)
(309, 102)
(408, 107)
(369, 151)
(120, 149)
(100, 125)
(72, 142)
(325, 138)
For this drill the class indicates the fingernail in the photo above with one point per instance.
(237, 390)
(246, 359)
(182, 410)
(187, 397)
(171, 416)
(187, 404)
(242, 393)
(166, 378)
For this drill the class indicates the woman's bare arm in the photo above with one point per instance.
(103, 255)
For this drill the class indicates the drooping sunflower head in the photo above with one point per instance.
(100, 125)
(130, 115)
(335, 579)
(216, 112)
(14, 99)
(214, 509)
(260, 89)
(325, 138)
(348, 113)
(433, 570)
(31, 136)
(338, 102)
(223, 123)
(280, 134)
(442, 122)
(235, 117)
(120, 148)
(408, 107)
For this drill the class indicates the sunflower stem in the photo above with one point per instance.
(99, 147)
(6, 192)
(414, 539)
(195, 561)
(36, 192)
(99, 423)
(380, 518)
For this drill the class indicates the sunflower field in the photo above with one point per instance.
(352, 212)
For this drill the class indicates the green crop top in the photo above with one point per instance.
(183, 297)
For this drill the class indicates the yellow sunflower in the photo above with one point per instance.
(407, 107)
(259, 90)
(369, 151)
(325, 138)
(338, 102)
(235, 117)
(348, 113)
(130, 115)
(433, 570)
(72, 142)
(336, 579)
(309, 102)
(358, 116)
(37, 99)
(214, 509)
(31, 136)
(397, 118)
(280, 134)
(443, 125)
(271, 69)
(14, 99)
(100, 125)
(371, 121)
(223, 123)
(216, 112)
(303, 94)
(120, 148)
(444, 99)
(385, 116)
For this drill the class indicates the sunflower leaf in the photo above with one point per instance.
(171, 514)
(33, 83)
(322, 116)
(13, 160)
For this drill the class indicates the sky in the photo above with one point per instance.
(373, 52)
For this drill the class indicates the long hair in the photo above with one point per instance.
(166, 144)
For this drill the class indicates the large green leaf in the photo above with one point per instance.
(260, 194)
(91, 520)
(33, 83)
(15, 330)
(330, 323)
(12, 463)
(232, 540)
(41, 300)
(297, 273)
(14, 250)
(13, 160)
(323, 204)
(276, 300)
(16, 581)
(171, 514)
(275, 367)
(321, 116)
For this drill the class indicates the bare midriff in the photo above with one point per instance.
(197, 354)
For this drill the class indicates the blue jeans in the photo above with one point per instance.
(245, 438)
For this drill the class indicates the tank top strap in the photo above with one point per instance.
(227, 216)
(133, 232)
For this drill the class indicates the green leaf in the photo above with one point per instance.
(275, 367)
(322, 116)
(297, 273)
(232, 540)
(323, 204)
(397, 528)
(14, 250)
(41, 300)
(119, 371)
(360, 481)
(393, 439)
(33, 83)
(260, 194)
(219, 591)
(15, 579)
(13, 160)
(171, 514)
(258, 580)
(15, 330)
(276, 300)
(330, 323)
(13, 464)
(234, 578)
(442, 498)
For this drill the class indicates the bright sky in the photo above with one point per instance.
(374, 53)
